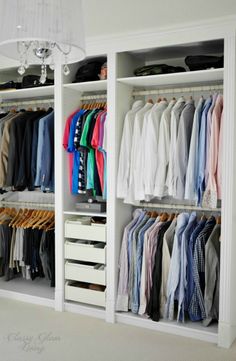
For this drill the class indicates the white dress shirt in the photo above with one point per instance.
(151, 148)
(135, 152)
(163, 151)
(174, 125)
(125, 151)
(174, 271)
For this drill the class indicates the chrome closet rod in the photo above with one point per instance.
(177, 207)
(93, 97)
(27, 204)
(177, 90)
(26, 102)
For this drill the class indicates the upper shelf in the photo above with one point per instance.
(88, 86)
(43, 91)
(175, 79)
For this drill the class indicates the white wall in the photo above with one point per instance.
(103, 17)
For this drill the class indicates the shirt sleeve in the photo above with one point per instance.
(124, 160)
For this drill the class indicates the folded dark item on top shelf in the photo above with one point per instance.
(31, 81)
(10, 85)
(90, 69)
(157, 69)
(91, 207)
(203, 62)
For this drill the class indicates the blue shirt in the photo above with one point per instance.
(183, 279)
(202, 151)
(197, 306)
(47, 162)
(71, 149)
(40, 150)
(190, 250)
(192, 169)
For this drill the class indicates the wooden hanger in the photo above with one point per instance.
(17, 216)
(171, 217)
(46, 218)
(164, 217)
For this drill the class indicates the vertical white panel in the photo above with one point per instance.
(59, 228)
(227, 322)
(119, 100)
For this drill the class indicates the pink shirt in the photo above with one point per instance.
(214, 183)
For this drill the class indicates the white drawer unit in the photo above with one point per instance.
(73, 292)
(87, 232)
(95, 253)
(85, 273)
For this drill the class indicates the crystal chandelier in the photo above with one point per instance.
(42, 32)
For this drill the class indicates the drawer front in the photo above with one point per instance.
(92, 233)
(84, 274)
(84, 295)
(85, 253)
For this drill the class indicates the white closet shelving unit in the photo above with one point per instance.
(129, 88)
(124, 54)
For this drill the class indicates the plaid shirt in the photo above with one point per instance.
(197, 307)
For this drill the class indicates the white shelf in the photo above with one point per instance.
(91, 214)
(86, 310)
(29, 93)
(175, 79)
(38, 291)
(89, 86)
(189, 329)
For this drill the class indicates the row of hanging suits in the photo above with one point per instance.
(170, 267)
(85, 140)
(27, 150)
(172, 149)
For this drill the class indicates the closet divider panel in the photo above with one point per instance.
(227, 317)
(118, 100)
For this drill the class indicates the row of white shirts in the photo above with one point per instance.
(151, 163)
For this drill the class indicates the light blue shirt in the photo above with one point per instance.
(138, 270)
(41, 132)
(183, 269)
(192, 169)
(174, 272)
(122, 294)
(132, 269)
(202, 151)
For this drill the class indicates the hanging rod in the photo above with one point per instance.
(177, 90)
(178, 207)
(27, 204)
(93, 97)
(26, 102)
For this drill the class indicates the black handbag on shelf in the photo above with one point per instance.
(89, 69)
(31, 81)
(203, 62)
(156, 69)
(10, 85)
